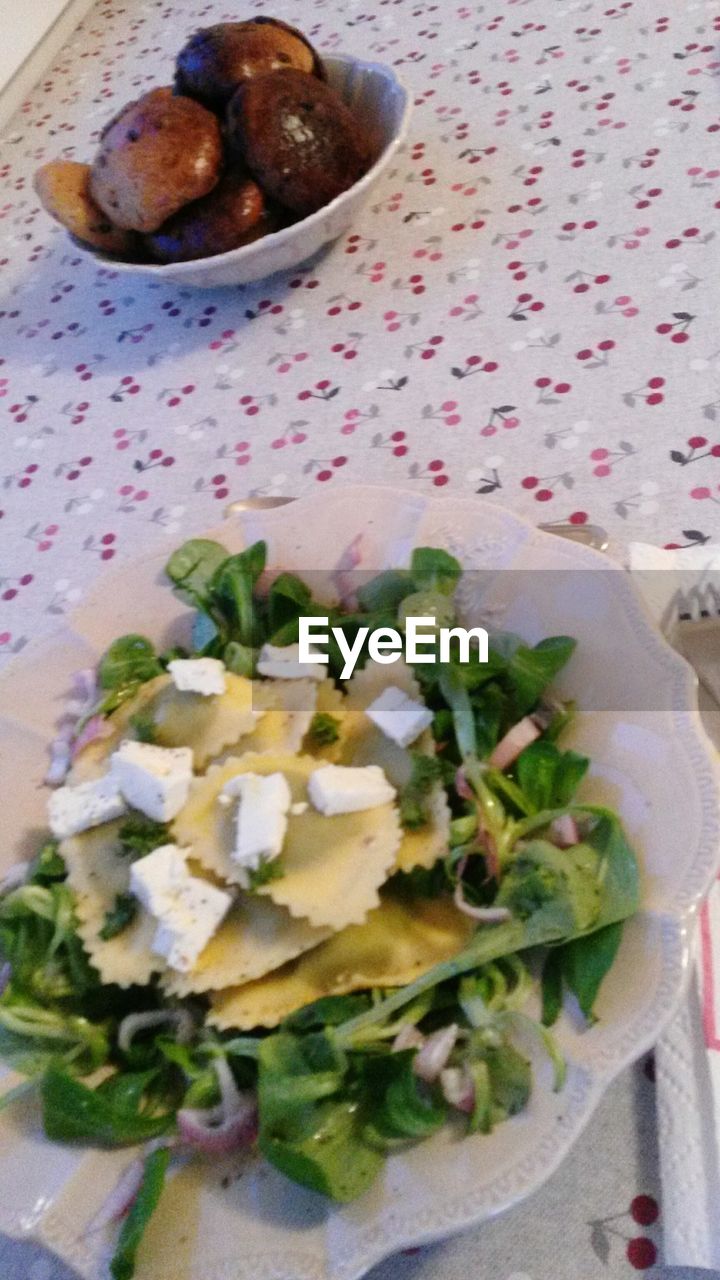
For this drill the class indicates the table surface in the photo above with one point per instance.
(525, 314)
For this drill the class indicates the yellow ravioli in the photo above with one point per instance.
(97, 873)
(254, 938)
(207, 724)
(288, 707)
(398, 942)
(362, 742)
(332, 867)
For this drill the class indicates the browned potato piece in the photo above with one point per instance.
(63, 187)
(157, 155)
(297, 138)
(217, 59)
(233, 214)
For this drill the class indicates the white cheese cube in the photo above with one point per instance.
(336, 788)
(198, 675)
(261, 818)
(283, 663)
(75, 809)
(189, 921)
(155, 780)
(155, 878)
(400, 718)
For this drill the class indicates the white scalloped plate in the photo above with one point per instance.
(651, 760)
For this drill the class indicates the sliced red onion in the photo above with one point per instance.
(218, 1131)
(458, 1088)
(463, 788)
(564, 831)
(96, 728)
(135, 1022)
(432, 1058)
(488, 915)
(408, 1037)
(516, 740)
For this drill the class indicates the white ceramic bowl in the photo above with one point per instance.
(376, 96)
(651, 761)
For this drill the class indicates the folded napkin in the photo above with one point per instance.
(685, 584)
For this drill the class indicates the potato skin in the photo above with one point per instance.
(233, 214)
(63, 188)
(297, 138)
(155, 156)
(215, 60)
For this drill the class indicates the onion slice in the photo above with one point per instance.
(458, 1088)
(515, 741)
(408, 1037)
(218, 1131)
(432, 1058)
(487, 915)
(564, 831)
(135, 1022)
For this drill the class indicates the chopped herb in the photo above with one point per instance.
(48, 865)
(140, 835)
(143, 726)
(271, 869)
(119, 916)
(415, 794)
(324, 729)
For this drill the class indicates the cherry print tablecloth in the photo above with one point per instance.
(526, 313)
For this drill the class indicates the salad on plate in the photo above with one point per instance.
(282, 912)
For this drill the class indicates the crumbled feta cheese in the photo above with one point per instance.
(198, 675)
(336, 788)
(75, 809)
(302, 806)
(188, 924)
(188, 910)
(399, 717)
(283, 663)
(261, 819)
(155, 878)
(153, 779)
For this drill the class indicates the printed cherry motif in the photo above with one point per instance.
(549, 391)
(677, 331)
(651, 393)
(433, 470)
(265, 307)
(155, 458)
(596, 357)
(173, 396)
(695, 443)
(126, 387)
(474, 364)
(524, 304)
(689, 234)
(9, 587)
(322, 390)
(504, 416)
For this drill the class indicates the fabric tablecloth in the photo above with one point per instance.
(526, 313)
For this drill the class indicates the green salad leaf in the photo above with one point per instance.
(324, 729)
(548, 777)
(311, 1118)
(113, 1114)
(122, 1265)
(129, 662)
